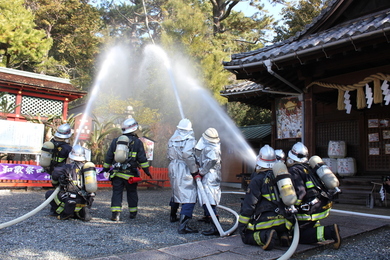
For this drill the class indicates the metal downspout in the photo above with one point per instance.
(268, 64)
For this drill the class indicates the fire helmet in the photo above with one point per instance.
(280, 155)
(63, 131)
(77, 153)
(211, 135)
(299, 153)
(266, 157)
(129, 126)
(185, 124)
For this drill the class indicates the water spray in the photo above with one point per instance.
(33, 212)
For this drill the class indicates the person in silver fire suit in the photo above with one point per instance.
(182, 168)
(73, 200)
(262, 219)
(122, 172)
(312, 203)
(209, 159)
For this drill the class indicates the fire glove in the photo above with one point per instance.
(147, 172)
(63, 180)
(105, 170)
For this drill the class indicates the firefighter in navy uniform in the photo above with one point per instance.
(134, 157)
(62, 148)
(262, 219)
(313, 202)
(77, 191)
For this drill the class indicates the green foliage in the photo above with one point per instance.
(6, 107)
(21, 45)
(74, 26)
(243, 114)
(98, 142)
(296, 15)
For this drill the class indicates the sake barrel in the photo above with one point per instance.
(332, 163)
(346, 166)
(337, 149)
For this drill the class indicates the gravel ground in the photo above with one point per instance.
(45, 237)
(372, 245)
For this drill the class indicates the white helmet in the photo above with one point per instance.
(280, 155)
(211, 135)
(299, 153)
(77, 153)
(266, 157)
(63, 131)
(185, 124)
(129, 126)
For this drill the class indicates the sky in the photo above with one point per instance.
(249, 10)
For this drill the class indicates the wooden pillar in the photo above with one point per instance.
(309, 126)
(65, 109)
(18, 110)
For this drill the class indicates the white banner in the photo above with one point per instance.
(21, 137)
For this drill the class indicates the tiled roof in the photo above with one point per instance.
(363, 26)
(254, 132)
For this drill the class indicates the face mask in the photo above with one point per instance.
(201, 144)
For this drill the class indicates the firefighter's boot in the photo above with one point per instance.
(133, 215)
(184, 227)
(213, 230)
(268, 238)
(115, 216)
(173, 216)
(284, 239)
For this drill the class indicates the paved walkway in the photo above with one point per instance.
(232, 248)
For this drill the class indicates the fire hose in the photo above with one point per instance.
(214, 218)
(295, 242)
(31, 213)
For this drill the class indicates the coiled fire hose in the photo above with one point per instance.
(214, 218)
(31, 213)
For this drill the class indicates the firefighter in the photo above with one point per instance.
(209, 159)
(76, 194)
(124, 171)
(62, 148)
(182, 168)
(313, 202)
(262, 219)
(280, 155)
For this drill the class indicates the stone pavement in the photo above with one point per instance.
(226, 248)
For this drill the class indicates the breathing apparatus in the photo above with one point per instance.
(46, 154)
(122, 149)
(324, 173)
(285, 186)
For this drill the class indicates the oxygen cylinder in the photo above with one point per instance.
(324, 172)
(286, 188)
(46, 154)
(90, 180)
(122, 149)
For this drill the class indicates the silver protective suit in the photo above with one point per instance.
(182, 164)
(210, 168)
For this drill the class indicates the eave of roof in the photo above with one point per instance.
(29, 80)
(256, 132)
(364, 27)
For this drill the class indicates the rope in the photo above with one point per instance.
(360, 99)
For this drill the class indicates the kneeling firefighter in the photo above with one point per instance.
(125, 154)
(266, 214)
(78, 186)
(315, 186)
